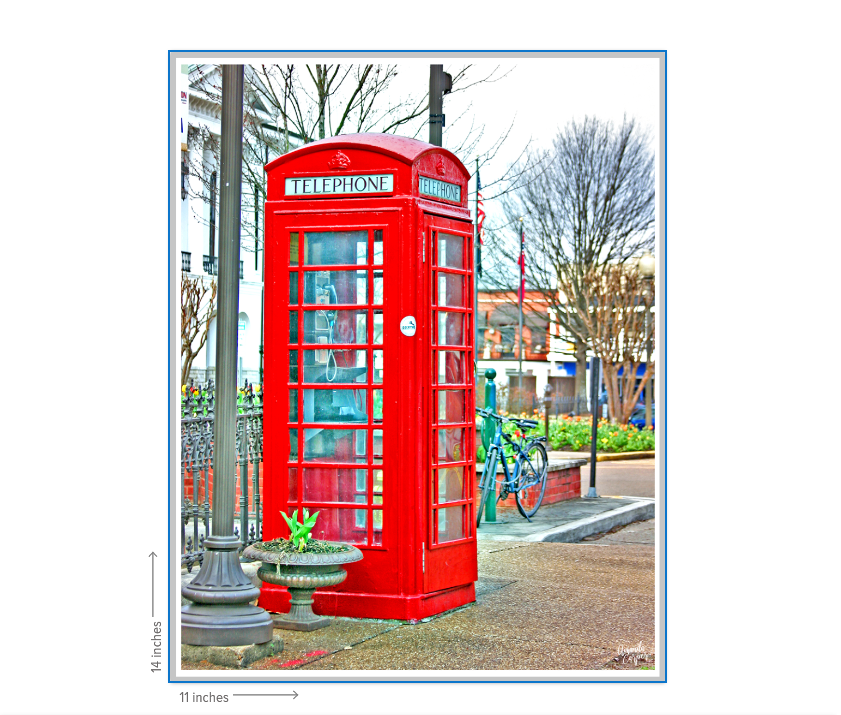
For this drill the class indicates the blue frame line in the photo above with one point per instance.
(170, 473)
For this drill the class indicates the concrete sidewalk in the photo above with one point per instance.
(540, 605)
(568, 521)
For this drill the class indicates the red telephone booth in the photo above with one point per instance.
(369, 369)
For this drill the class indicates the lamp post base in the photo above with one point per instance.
(220, 612)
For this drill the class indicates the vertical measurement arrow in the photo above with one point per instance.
(153, 555)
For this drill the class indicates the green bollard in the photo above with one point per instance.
(488, 431)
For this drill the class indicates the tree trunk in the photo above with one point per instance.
(186, 366)
(580, 378)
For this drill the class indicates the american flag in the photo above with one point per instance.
(480, 222)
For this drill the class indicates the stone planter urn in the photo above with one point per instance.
(302, 573)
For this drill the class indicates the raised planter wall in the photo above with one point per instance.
(563, 482)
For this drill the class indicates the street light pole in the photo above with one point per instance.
(219, 613)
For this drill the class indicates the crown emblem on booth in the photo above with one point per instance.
(439, 167)
(339, 161)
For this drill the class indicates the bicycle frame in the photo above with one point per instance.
(510, 478)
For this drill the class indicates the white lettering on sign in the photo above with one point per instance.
(408, 326)
(439, 189)
(325, 185)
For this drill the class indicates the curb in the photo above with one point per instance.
(577, 530)
(623, 455)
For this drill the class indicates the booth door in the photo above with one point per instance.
(451, 538)
(338, 459)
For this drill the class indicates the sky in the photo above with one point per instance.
(534, 96)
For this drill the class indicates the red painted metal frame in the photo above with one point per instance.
(406, 574)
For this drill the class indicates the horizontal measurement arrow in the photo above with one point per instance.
(293, 695)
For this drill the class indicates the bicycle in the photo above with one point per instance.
(528, 479)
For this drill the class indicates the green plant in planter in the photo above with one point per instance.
(300, 533)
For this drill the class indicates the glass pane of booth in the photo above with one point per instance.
(378, 247)
(378, 287)
(450, 524)
(378, 446)
(335, 366)
(450, 484)
(293, 249)
(328, 484)
(331, 287)
(293, 288)
(293, 326)
(378, 327)
(378, 405)
(333, 248)
(450, 368)
(378, 527)
(335, 445)
(293, 484)
(450, 251)
(451, 406)
(340, 524)
(450, 328)
(293, 405)
(378, 366)
(336, 326)
(451, 445)
(335, 405)
(451, 290)
(293, 366)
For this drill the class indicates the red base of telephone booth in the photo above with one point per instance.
(368, 605)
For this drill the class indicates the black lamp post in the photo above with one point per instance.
(219, 613)
(646, 268)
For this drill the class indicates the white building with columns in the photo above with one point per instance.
(197, 230)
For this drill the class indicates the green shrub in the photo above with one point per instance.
(574, 433)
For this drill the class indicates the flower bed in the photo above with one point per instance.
(573, 434)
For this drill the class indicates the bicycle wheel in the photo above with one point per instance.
(532, 468)
(487, 484)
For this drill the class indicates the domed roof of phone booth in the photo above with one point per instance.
(403, 149)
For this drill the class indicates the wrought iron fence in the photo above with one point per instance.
(197, 469)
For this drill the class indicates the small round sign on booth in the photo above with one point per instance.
(408, 326)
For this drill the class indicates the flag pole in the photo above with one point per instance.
(476, 278)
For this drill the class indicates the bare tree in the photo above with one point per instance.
(615, 312)
(198, 309)
(587, 203)
(286, 106)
